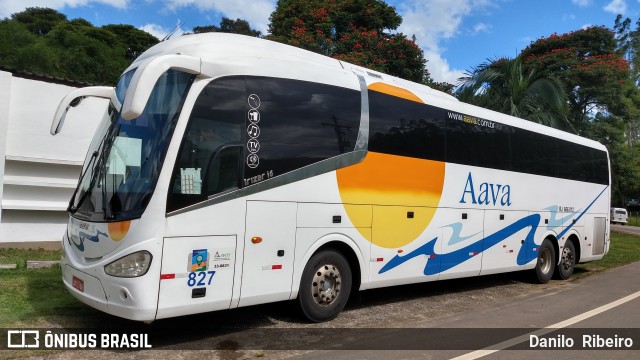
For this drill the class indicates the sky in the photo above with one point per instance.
(455, 35)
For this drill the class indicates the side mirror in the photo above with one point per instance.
(74, 98)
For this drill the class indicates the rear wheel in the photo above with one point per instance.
(546, 262)
(564, 270)
(325, 286)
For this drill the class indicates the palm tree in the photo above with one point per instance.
(507, 86)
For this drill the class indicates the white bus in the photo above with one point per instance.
(230, 171)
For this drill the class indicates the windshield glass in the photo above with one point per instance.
(125, 158)
(123, 85)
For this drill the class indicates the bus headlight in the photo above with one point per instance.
(132, 265)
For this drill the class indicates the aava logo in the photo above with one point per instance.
(487, 193)
(85, 236)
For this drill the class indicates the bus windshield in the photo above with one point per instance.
(124, 160)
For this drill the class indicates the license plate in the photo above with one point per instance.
(78, 283)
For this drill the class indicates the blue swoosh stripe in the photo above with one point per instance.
(444, 262)
(84, 236)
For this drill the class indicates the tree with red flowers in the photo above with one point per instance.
(593, 74)
(356, 31)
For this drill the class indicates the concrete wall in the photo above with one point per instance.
(38, 171)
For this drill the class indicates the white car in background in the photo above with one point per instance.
(619, 215)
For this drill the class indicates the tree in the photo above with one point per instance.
(136, 40)
(87, 53)
(629, 44)
(43, 41)
(593, 74)
(625, 168)
(356, 31)
(505, 85)
(13, 37)
(38, 20)
(237, 26)
(629, 48)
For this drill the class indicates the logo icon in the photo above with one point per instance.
(253, 130)
(253, 161)
(253, 145)
(21, 339)
(254, 116)
(199, 260)
(254, 101)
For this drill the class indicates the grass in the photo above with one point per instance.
(634, 218)
(625, 249)
(38, 298)
(34, 297)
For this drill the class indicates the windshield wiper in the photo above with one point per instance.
(72, 209)
(97, 168)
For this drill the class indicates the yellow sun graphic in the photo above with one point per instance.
(395, 185)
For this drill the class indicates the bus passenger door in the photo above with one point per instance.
(461, 243)
(269, 245)
(197, 275)
(501, 248)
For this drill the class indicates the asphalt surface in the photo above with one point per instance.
(562, 305)
(633, 230)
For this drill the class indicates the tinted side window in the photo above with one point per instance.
(477, 142)
(406, 128)
(210, 156)
(292, 123)
(600, 167)
(533, 153)
(574, 161)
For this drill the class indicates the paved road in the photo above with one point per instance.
(586, 304)
(634, 230)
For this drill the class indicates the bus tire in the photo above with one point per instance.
(545, 264)
(564, 270)
(325, 286)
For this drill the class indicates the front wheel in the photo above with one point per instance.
(546, 262)
(325, 286)
(567, 261)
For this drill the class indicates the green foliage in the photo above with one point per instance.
(14, 37)
(610, 131)
(39, 21)
(629, 44)
(237, 26)
(43, 41)
(598, 70)
(135, 40)
(356, 31)
(507, 86)
(586, 62)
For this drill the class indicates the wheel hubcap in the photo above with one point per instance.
(544, 258)
(326, 285)
(567, 258)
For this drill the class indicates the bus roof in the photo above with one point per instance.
(224, 46)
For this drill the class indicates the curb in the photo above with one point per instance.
(31, 265)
